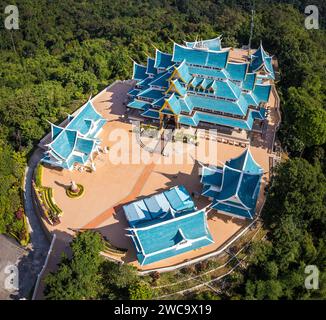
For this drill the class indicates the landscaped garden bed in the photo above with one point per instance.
(75, 194)
(45, 198)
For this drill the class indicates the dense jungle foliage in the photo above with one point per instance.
(66, 50)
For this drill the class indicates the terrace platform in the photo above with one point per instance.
(115, 184)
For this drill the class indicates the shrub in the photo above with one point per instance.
(38, 175)
(140, 291)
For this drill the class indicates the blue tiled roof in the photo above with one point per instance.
(233, 210)
(261, 58)
(139, 72)
(183, 71)
(76, 141)
(203, 78)
(150, 113)
(55, 130)
(150, 66)
(245, 162)
(174, 104)
(158, 205)
(138, 104)
(237, 71)
(82, 122)
(240, 186)
(181, 90)
(262, 92)
(133, 92)
(227, 89)
(200, 57)
(212, 44)
(162, 60)
(230, 183)
(205, 72)
(212, 176)
(149, 93)
(64, 143)
(249, 82)
(220, 105)
(161, 80)
(172, 237)
(144, 84)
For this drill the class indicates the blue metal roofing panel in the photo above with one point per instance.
(230, 183)
(64, 143)
(249, 189)
(200, 57)
(150, 113)
(161, 80)
(84, 145)
(232, 210)
(133, 92)
(205, 72)
(212, 44)
(55, 130)
(162, 60)
(212, 176)
(223, 121)
(166, 236)
(138, 104)
(139, 72)
(262, 92)
(81, 122)
(219, 105)
(179, 199)
(237, 71)
(150, 93)
(249, 82)
(150, 66)
(136, 212)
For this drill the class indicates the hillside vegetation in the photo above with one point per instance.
(66, 50)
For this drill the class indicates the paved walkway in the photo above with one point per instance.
(39, 244)
(136, 190)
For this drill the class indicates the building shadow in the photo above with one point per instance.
(64, 186)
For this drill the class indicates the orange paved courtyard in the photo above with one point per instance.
(114, 184)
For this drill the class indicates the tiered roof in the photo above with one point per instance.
(261, 60)
(165, 225)
(234, 187)
(206, 86)
(76, 142)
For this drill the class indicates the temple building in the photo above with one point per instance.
(199, 85)
(233, 188)
(77, 141)
(165, 225)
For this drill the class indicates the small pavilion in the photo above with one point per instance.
(233, 188)
(77, 142)
(165, 225)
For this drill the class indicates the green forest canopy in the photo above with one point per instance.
(66, 50)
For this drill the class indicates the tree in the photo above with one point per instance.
(116, 280)
(140, 291)
(306, 116)
(78, 278)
